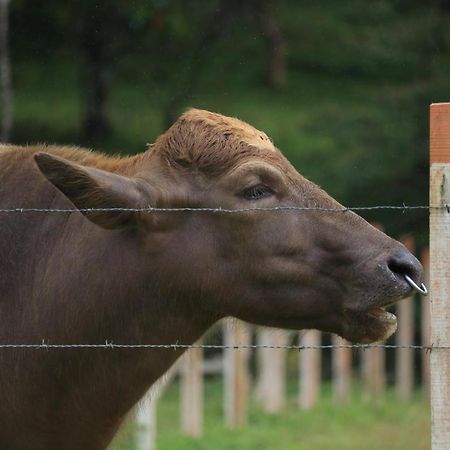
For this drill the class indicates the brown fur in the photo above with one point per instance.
(212, 143)
(164, 278)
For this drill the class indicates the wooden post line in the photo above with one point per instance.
(236, 373)
(373, 371)
(342, 369)
(192, 392)
(145, 433)
(309, 370)
(271, 385)
(440, 273)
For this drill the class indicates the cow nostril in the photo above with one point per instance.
(404, 263)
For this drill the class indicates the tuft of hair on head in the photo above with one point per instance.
(211, 142)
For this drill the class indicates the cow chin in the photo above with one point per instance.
(370, 326)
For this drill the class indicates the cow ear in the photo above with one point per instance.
(88, 187)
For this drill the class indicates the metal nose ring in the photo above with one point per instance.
(422, 289)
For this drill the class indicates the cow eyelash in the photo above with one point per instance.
(257, 192)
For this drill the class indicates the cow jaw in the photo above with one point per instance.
(373, 325)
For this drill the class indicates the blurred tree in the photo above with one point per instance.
(5, 74)
(96, 48)
(215, 22)
(269, 23)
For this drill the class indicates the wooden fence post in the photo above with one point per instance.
(440, 273)
(192, 392)
(145, 436)
(145, 433)
(373, 372)
(425, 328)
(342, 369)
(236, 372)
(310, 373)
(404, 357)
(271, 385)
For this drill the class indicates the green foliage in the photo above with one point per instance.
(384, 423)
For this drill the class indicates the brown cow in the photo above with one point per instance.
(136, 277)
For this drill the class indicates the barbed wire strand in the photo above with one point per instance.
(226, 210)
(111, 345)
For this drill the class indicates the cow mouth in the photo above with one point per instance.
(375, 324)
(366, 327)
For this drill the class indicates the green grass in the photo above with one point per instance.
(382, 424)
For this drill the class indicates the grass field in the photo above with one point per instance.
(384, 424)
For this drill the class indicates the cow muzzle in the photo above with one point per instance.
(407, 271)
(400, 277)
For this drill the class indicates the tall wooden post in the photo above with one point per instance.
(440, 273)
(310, 373)
(192, 392)
(236, 371)
(271, 385)
(404, 357)
(425, 320)
(145, 432)
(342, 369)
(373, 372)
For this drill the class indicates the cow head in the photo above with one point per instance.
(329, 270)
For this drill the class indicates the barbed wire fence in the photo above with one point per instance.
(217, 210)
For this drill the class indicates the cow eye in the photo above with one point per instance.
(257, 192)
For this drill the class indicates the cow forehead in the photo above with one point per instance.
(213, 143)
(229, 126)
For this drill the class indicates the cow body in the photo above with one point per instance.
(158, 278)
(61, 281)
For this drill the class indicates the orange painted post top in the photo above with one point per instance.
(440, 133)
